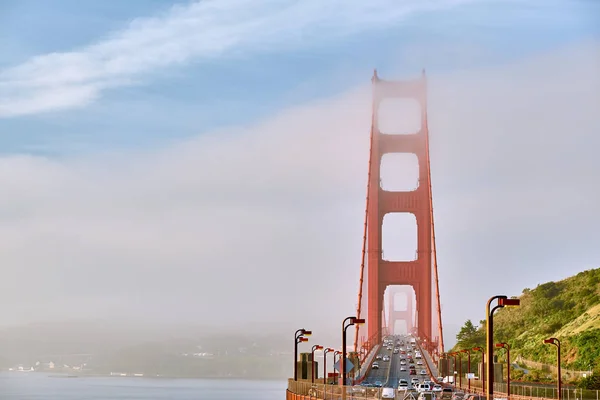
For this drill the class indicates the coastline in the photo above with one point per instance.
(60, 375)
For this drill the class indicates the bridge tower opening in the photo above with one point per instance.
(418, 273)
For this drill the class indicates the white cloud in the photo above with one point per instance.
(264, 223)
(202, 30)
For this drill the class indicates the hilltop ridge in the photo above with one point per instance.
(568, 309)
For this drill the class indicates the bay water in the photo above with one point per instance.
(40, 386)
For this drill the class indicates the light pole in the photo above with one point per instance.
(453, 355)
(459, 369)
(468, 351)
(482, 367)
(507, 347)
(312, 368)
(556, 342)
(299, 337)
(351, 321)
(503, 301)
(327, 350)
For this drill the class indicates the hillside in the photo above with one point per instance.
(568, 310)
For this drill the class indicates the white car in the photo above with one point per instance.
(388, 393)
(423, 387)
(437, 388)
(423, 372)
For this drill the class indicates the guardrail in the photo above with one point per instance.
(300, 390)
(518, 391)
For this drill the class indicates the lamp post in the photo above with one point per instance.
(453, 355)
(482, 367)
(312, 368)
(507, 347)
(299, 337)
(503, 301)
(459, 369)
(556, 342)
(468, 351)
(351, 321)
(327, 350)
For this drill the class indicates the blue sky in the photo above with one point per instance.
(245, 83)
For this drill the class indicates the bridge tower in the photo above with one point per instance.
(421, 273)
(405, 315)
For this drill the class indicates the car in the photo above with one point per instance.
(424, 387)
(402, 362)
(419, 362)
(403, 369)
(379, 356)
(423, 372)
(386, 358)
(412, 372)
(436, 388)
(375, 365)
(388, 393)
(396, 351)
(378, 383)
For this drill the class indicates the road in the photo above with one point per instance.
(389, 372)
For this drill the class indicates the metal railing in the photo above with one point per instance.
(520, 391)
(300, 390)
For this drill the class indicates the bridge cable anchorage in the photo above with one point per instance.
(434, 250)
(364, 244)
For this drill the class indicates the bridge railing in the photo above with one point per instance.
(301, 390)
(520, 391)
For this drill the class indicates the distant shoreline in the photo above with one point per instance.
(96, 375)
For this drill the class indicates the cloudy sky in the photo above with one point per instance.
(184, 161)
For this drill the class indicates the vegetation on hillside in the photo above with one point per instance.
(568, 310)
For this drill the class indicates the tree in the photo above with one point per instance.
(470, 336)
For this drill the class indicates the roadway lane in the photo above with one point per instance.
(389, 372)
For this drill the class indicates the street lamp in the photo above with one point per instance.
(503, 301)
(468, 351)
(327, 350)
(312, 368)
(453, 355)
(351, 321)
(556, 342)
(482, 367)
(299, 337)
(507, 347)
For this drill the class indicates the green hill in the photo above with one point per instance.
(568, 310)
